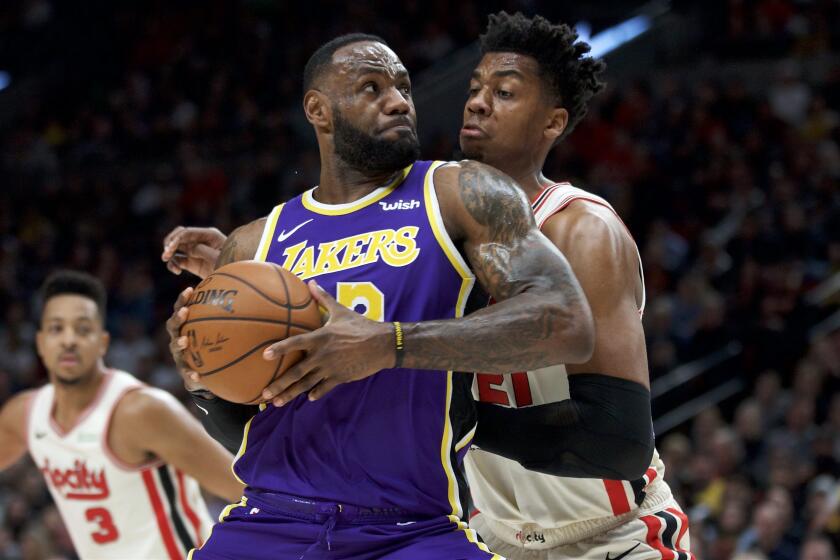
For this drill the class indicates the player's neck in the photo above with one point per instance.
(532, 181)
(341, 183)
(72, 400)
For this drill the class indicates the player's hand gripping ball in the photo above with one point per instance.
(234, 314)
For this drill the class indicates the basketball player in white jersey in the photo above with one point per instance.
(529, 90)
(121, 459)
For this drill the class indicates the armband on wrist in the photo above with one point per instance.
(399, 344)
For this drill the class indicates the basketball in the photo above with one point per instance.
(235, 313)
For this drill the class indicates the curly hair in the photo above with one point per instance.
(570, 77)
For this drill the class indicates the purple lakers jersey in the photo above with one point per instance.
(397, 438)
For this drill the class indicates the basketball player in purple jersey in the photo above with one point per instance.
(371, 469)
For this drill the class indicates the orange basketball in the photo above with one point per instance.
(235, 313)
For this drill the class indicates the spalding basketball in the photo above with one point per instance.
(234, 314)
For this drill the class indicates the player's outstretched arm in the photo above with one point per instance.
(542, 317)
(605, 429)
(13, 428)
(152, 422)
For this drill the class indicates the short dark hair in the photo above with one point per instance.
(322, 57)
(571, 79)
(73, 282)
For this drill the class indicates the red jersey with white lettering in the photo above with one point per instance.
(113, 510)
(539, 511)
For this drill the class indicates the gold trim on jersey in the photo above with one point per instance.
(244, 445)
(268, 233)
(225, 512)
(445, 458)
(467, 282)
(230, 507)
(341, 209)
(472, 536)
(443, 239)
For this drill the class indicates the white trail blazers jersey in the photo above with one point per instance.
(535, 510)
(113, 510)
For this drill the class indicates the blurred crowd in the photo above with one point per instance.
(731, 191)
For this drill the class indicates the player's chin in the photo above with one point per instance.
(471, 150)
(64, 377)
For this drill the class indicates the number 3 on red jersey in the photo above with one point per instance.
(106, 530)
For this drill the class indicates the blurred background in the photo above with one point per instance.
(718, 141)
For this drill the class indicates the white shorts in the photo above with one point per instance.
(659, 535)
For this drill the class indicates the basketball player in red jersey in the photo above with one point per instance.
(121, 459)
(528, 92)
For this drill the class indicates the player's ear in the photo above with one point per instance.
(39, 342)
(104, 342)
(318, 110)
(558, 118)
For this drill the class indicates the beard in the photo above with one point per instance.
(366, 152)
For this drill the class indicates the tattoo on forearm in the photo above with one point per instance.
(530, 330)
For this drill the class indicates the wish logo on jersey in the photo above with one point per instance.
(77, 482)
(400, 205)
(396, 247)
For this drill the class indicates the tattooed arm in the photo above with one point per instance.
(541, 318)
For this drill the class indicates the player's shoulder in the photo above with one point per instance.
(242, 243)
(592, 230)
(575, 212)
(15, 412)
(21, 401)
(144, 405)
(472, 192)
(472, 174)
(250, 232)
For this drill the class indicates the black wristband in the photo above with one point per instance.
(399, 344)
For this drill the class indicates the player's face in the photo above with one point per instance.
(374, 123)
(71, 339)
(507, 111)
